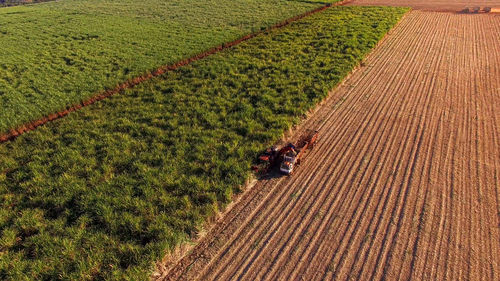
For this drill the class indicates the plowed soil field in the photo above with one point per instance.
(440, 5)
(404, 183)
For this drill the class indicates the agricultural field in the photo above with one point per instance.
(404, 182)
(108, 190)
(59, 53)
(439, 5)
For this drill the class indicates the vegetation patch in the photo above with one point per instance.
(60, 53)
(7, 3)
(105, 192)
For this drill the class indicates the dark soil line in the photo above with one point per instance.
(15, 132)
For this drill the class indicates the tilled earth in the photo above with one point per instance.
(404, 182)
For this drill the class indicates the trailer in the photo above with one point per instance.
(294, 154)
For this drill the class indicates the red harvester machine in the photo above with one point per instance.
(287, 157)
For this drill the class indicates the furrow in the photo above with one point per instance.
(430, 88)
(490, 136)
(436, 191)
(383, 253)
(408, 183)
(403, 141)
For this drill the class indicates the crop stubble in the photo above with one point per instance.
(404, 182)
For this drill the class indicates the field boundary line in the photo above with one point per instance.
(132, 82)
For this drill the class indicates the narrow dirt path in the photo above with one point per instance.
(404, 182)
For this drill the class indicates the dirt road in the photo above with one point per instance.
(404, 182)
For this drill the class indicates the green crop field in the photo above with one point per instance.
(108, 190)
(59, 53)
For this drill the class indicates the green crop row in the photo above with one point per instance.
(60, 53)
(106, 191)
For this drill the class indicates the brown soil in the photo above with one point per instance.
(404, 182)
(441, 5)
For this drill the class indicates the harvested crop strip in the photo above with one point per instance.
(60, 53)
(106, 191)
